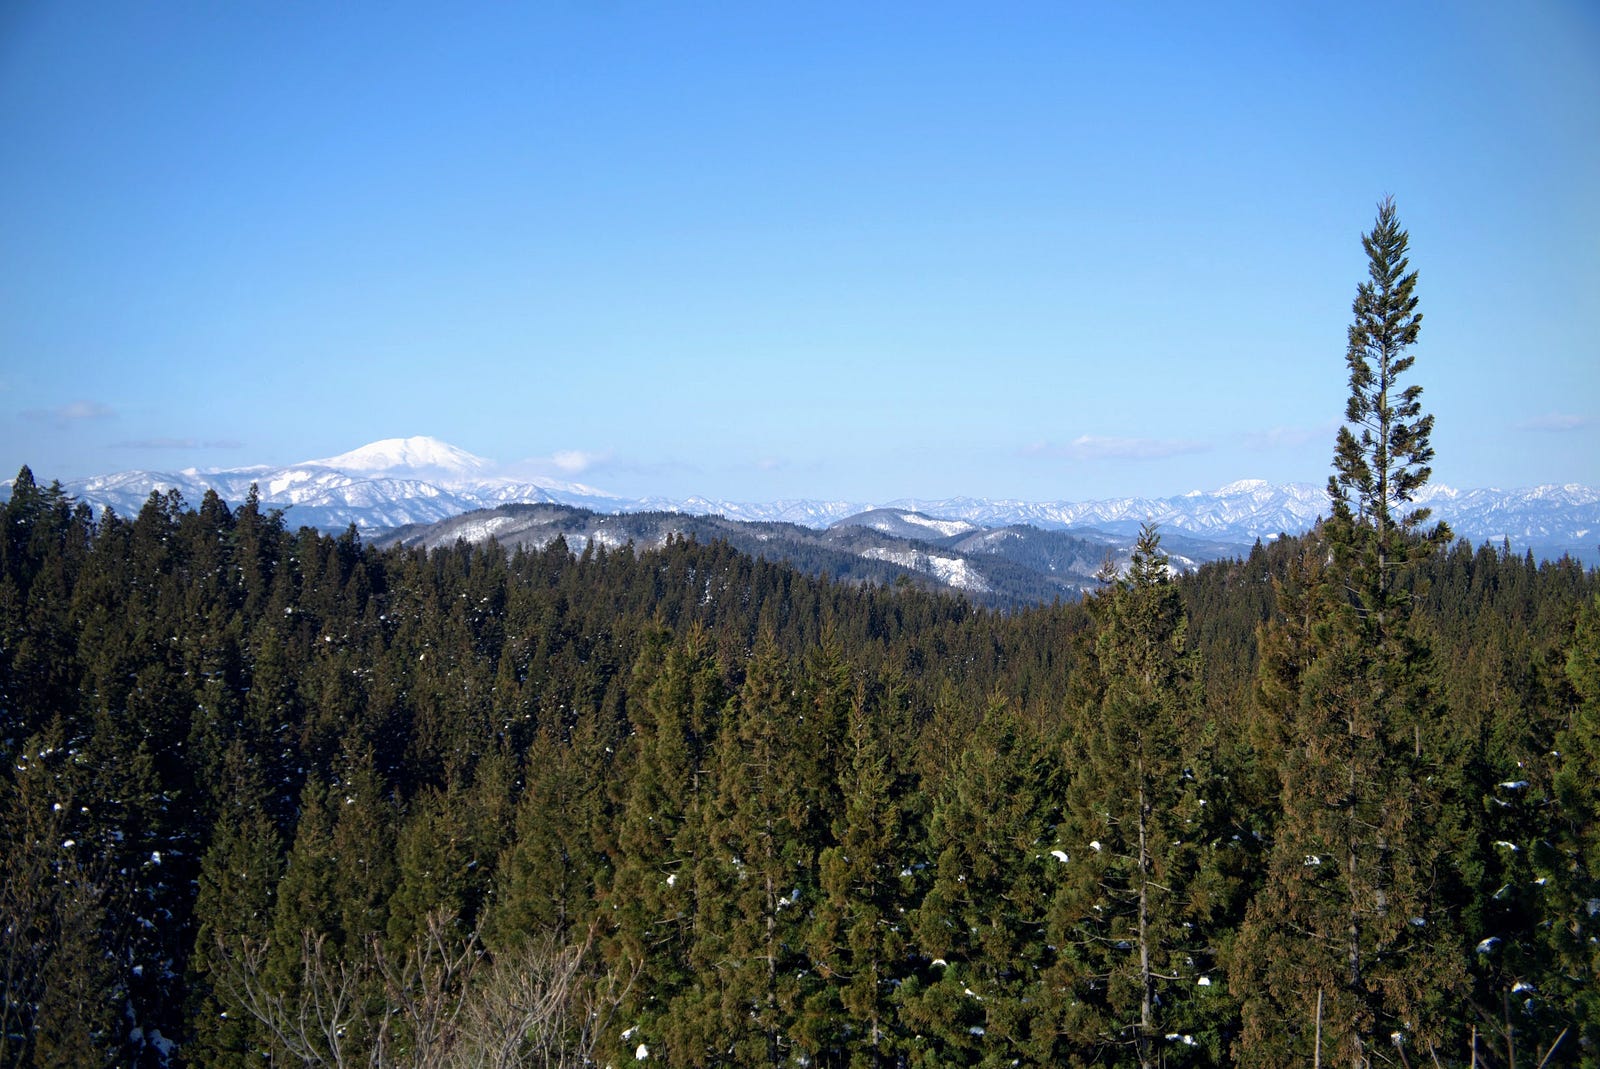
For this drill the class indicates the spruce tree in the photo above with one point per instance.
(1133, 912)
(858, 938)
(982, 996)
(757, 880)
(1383, 453)
(650, 903)
(1572, 859)
(1348, 946)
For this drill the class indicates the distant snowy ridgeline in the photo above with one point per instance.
(419, 480)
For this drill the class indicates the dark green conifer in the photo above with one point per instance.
(306, 898)
(433, 866)
(756, 884)
(981, 996)
(1140, 896)
(1571, 862)
(545, 878)
(366, 858)
(233, 908)
(60, 994)
(650, 904)
(1383, 452)
(858, 936)
(1348, 949)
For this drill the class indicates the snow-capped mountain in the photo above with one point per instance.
(414, 457)
(907, 524)
(386, 484)
(1240, 511)
(422, 480)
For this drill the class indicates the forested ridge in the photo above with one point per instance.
(276, 797)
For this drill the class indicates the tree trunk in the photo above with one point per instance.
(1146, 981)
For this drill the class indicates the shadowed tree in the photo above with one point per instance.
(1134, 912)
(858, 937)
(1348, 946)
(1572, 858)
(983, 997)
(650, 903)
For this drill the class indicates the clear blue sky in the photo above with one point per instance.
(1045, 251)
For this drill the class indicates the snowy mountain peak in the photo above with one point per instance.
(397, 456)
(903, 523)
(400, 481)
(1243, 486)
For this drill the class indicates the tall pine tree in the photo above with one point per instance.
(1347, 948)
(1132, 913)
(1572, 859)
(858, 937)
(651, 896)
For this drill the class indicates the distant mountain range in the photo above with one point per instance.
(399, 486)
(1002, 565)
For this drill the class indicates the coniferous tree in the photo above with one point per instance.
(650, 905)
(981, 928)
(233, 908)
(858, 936)
(1348, 946)
(434, 867)
(1383, 452)
(365, 855)
(305, 900)
(545, 879)
(59, 993)
(1138, 900)
(1572, 860)
(756, 881)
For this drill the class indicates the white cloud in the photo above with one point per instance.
(577, 461)
(1288, 437)
(1098, 447)
(563, 463)
(76, 412)
(1554, 421)
(178, 443)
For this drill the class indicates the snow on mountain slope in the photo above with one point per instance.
(564, 493)
(1244, 510)
(400, 481)
(410, 456)
(946, 528)
(904, 524)
(385, 484)
(951, 571)
(805, 513)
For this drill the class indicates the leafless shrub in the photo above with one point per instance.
(445, 1003)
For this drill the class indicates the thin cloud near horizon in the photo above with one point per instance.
(1554, 422)
(177, 443)
(1289, 437)
(80, 411)
(1098, 447)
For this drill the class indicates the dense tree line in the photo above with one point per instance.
(730, 814)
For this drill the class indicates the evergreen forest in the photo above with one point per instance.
(276, 797)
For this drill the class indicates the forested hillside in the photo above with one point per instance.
(271, 793)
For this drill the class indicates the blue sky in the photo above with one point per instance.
(1043, 251)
